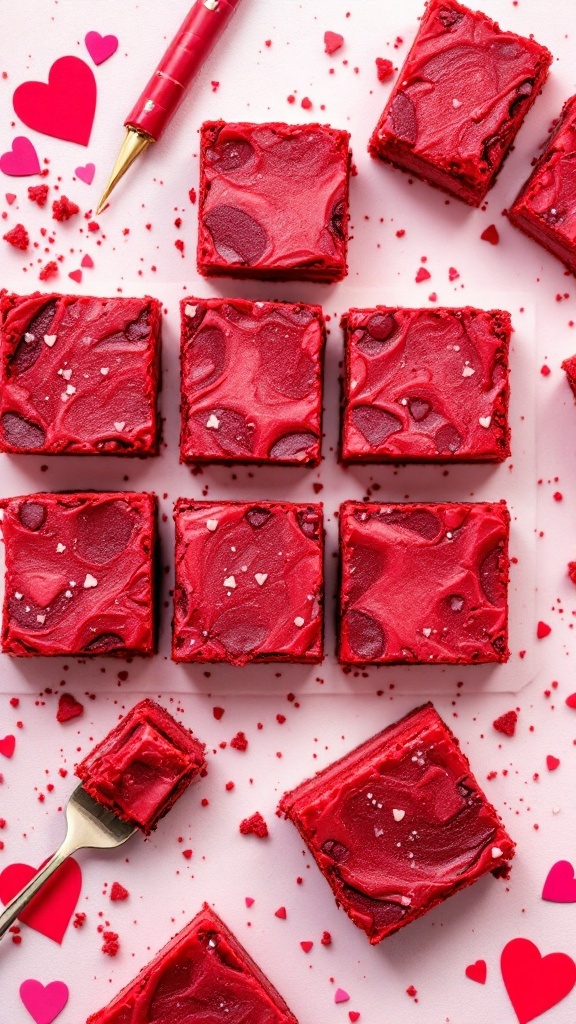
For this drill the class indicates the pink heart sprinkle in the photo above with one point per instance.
(353, 1015)
(44, 1003)
(86, 173)
(560, 885)
(11, 198)
(306, 946)
(100, 47)
(249, 901)
(8, 746)
(22, 160)
(76, 275)
(341, 996)
(87, 261)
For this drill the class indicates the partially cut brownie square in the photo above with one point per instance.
(251, 381)
(399, 824)
(459, 100)
(249, 582)
(79, 375)
(424, 582)
(425, 385)
(80, 574)
(545, 208)
(143, 765)
(273, 201)
(204, 974)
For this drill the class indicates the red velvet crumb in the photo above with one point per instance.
(63, 209)
(111, 944)
(384, 69)
(332, 42)
(38, 194)
(18, 237)
(118, 893)
(239, 741)
(326, 939)
(50, 270)
(254, 826)
(506, 723)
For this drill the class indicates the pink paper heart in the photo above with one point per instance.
(8, 746)
(86, 174)
(44, 1002)
(100, 47)
(560, 885)
(21, 160)
(63, 108)
(50, 911)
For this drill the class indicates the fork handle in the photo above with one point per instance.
(17, 905)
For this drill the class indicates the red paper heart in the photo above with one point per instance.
(50, 911)
(64, 107)
(8, 746)
(100, 47)
(477, 972)
(535, 983)
(44, 1002)
(22, 160)
(560, 885)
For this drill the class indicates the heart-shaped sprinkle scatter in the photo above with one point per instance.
(535, 983)
(99, 47)
(11, 198)
(477, 972)
(552, 763)
(22, 160)
(63, 108)
(353, 1015)
(341, 996)
(44, 1002)
(560, 885)
(249, 901)
(76, 275)
(50, 911)
(86, 173)
(542, 630)
(571, 700)
(8, 746)
(306, 946)
(87, 261)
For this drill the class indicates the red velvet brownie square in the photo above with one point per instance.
(273, 201)
(251, 381)
(79, 375)
(203, 975)
(79, 574)
(424, 583)
(399, 824)
(249, 582)
(569, 367)
(459, 100)
(545, 209)
(426, 385)
(143, 765)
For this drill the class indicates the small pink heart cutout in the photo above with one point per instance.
(560, 885)
(86, 174)
(100, 47)
(44, 1002)
(22, 160)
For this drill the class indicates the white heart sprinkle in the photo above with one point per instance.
(230, 582)
(90, 581)
(485, 421)
(496, 852)
(298, 621)
(190, 310)
(212, 524)
(104, 370)
(70, 389)
(456, 104)
(405, 901)
(66, 374)
(41, 619)
(212, 423)
(119, 426)
(261, 578)
(29, 337)
(378, 832)
(60, 548)
(468, 371)
(68, 593)
(50, 339)
(18, 596)
(555, 809)
(398, 815)
(64, 396)
(427, 632)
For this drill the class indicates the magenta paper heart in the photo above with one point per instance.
(100, 47)
(44, 1002)
(560, 885)
(86, 174)
(65, 107)
(21, 160)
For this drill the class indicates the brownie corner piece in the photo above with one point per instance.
(249, 582)
(424, 583)
(399, 824)
(545, 208)
(80, 574)
(426, 385)
(273, 201)
(251, 383)
(459, 100)
(79, 375)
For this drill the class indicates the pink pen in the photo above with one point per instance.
(166, 89)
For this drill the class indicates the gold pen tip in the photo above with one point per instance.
(134, 144)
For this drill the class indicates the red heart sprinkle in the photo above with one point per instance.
(542, 630)
(8, 746)
(87, 261)
(281, 913)
(571, 700)
(76, 275)
(477, 972)
(552, 762)
(306, 946)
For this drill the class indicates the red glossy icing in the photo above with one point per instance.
(426, 385)
(273, 201)
(79, 375)
(424, 583)
(545, 209)
(399, 824)
(569, 367)
(459, 100)
(203, 976)
(143, 765)
(251, 381)
(79, 574)
(249, 582)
